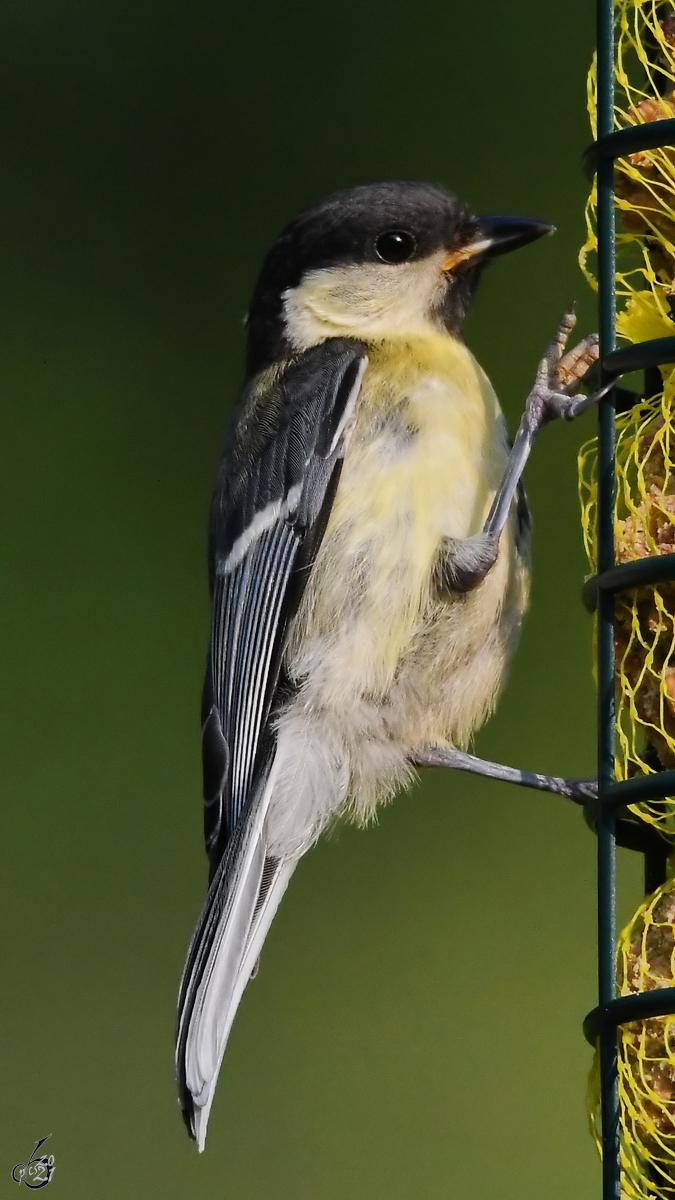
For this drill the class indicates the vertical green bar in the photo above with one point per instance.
(606, 685)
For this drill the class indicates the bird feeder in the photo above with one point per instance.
(627, 481)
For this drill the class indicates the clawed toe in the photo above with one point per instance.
(560, 405)
(554, 353)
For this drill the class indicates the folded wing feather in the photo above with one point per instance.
(269, 513)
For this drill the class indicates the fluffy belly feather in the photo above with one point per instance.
(383, 663)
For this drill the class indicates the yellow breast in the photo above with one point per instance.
(424, 459)
(429, 438)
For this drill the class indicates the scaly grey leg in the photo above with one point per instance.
(578, 790)
(548, 400)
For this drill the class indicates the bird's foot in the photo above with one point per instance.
(551, 397)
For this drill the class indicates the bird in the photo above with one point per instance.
(369, 556)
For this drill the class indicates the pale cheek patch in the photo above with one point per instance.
(370, 300)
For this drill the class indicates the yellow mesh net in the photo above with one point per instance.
(646, 960)
(645, 465)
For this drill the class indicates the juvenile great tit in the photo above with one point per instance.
(368, 556)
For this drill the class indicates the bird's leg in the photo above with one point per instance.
(471, 559)
(579, 790)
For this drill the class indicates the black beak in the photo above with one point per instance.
(501, 234)
(493, 236)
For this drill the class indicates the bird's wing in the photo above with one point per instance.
(271, 504)
(273, 497)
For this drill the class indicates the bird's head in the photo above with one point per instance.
(375, 261)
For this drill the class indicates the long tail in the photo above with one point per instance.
(239, 908)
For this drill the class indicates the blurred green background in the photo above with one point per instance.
(415, 1027)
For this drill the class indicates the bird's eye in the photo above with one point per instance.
(395, 246)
